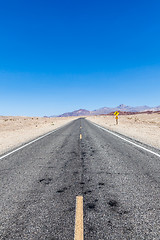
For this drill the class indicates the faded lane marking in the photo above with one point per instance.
(80, 136)
(78, 233)
(126, 140)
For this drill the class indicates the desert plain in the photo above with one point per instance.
(15, 131)
(144, 127)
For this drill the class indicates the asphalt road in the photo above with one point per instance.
(119, 182)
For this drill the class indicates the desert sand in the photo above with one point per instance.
(142, 127)
(15, 131)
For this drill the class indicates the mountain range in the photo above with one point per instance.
(107, 110)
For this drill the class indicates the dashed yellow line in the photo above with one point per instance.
(78, 233)
(80, 136)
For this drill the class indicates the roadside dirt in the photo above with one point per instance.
(18, 130)
(143, 127)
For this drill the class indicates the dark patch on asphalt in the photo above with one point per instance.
(91, 229)
(83, 154)
(74, 154)
(113, 203)
(91, 205)
(101, 184)
(108, 173)
(88, 191)
(100, 172)
(109, 223)
(123, 212)
(45, 180)
(61, 190)
(76, 172)
(71, 209)
(82, 183)
(127, 229)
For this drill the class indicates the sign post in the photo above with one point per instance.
(116, 114)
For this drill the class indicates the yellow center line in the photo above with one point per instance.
(80, 136)
(78, 233)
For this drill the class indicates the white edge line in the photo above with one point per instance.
(156, 154)
(35, 140)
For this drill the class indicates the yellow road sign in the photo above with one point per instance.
(116, 113)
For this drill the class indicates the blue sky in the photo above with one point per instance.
(58, 56)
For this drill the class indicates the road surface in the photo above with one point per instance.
(119, 183)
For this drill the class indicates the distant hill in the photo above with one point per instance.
(107, 110)
(155, 108)
(80, 112)
(122, 108)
